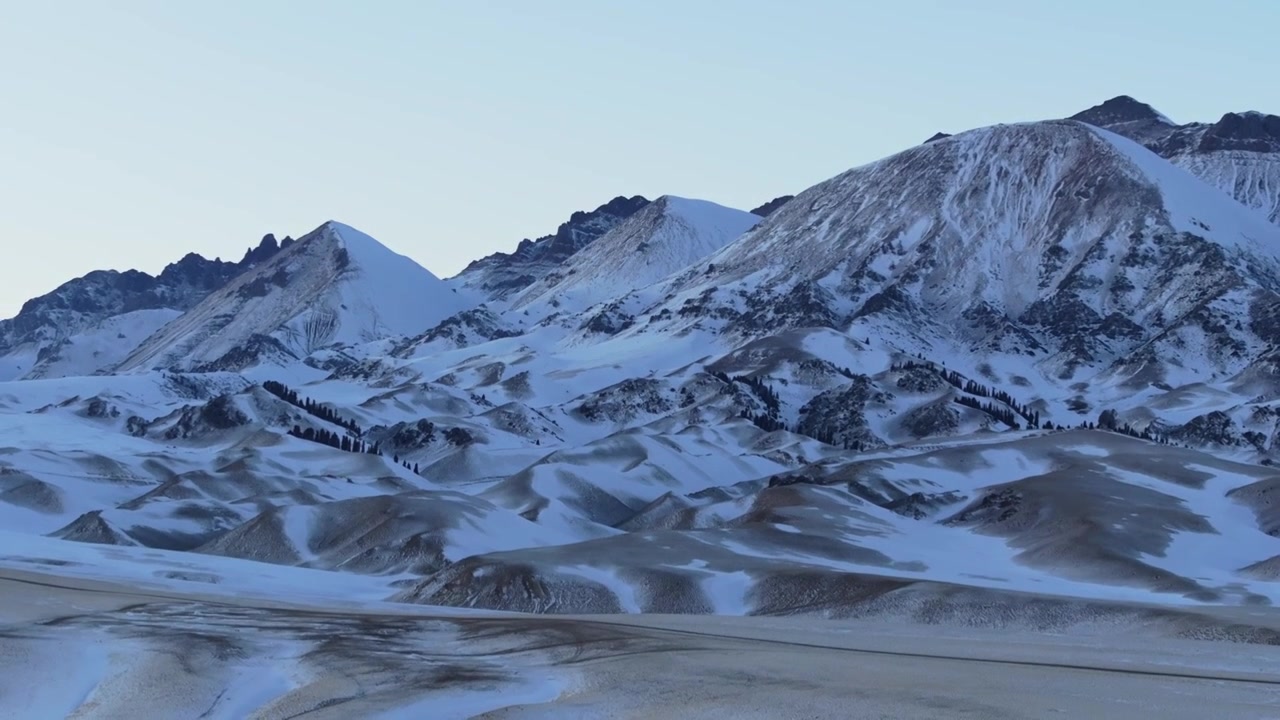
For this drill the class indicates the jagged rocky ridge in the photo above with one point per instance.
(666, 236)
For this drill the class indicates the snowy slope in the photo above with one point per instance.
(499, 276)
(101, 346)
(1192, 208)
(334, 286)
(1253, 178)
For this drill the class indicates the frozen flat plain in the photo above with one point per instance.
(81, 648)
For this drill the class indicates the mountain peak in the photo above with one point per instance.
(620, 206)
(347, 236)
(1121, 109)
(1250, 131)
(768, 208)
(268, 247)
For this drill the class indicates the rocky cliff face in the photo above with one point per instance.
(768, 208)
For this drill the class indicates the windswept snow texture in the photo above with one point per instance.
(1020, 377)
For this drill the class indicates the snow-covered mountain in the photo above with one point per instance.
(335, 285)
(1239, 154)
(91, 323)
(501, 274)
(1066, 245)
(667, 235)
(1025, 361)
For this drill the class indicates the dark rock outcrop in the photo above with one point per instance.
(768, 208)
(1121, 109)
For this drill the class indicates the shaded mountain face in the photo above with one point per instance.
(1239, 154)
(502, 274)
(40, 340)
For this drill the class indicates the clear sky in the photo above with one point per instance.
(135, 131)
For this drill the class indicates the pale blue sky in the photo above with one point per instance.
(135, 131)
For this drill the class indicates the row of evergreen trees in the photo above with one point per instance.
(760, 388)
(769, 420)
(827, 435)
(764, 421)
(1031, 416)
(999, 412)
(344, 443)
(960, 382)
(311, 407)
(412, 468)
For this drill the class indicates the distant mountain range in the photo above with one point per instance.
(1029, 358)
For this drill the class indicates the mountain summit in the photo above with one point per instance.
(1119, 110)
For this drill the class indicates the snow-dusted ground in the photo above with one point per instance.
(89, 649)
